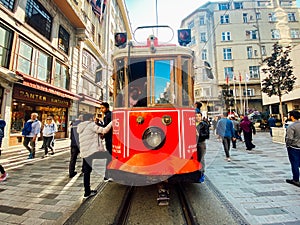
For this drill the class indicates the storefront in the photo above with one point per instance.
(88, 105)
(46, 100)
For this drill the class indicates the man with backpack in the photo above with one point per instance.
(31, 130)
(202, 132)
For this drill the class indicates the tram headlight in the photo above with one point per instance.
(154, 138)
(166, 120)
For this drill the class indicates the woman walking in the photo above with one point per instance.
(49, 131)
(247, 127)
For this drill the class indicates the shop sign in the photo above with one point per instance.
(33, 96)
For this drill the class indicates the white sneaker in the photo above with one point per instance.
(108, 179)
(228, 159)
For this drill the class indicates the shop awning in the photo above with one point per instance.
(30, 81)
(85, 99)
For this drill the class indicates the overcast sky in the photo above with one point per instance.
(170, 12)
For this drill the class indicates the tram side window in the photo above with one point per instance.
(137, 76)
(163, 86)
(120, 84)
(185, 83)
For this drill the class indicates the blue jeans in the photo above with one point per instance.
(294, 157)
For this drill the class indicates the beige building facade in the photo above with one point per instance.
(55, 59)
(234, 37)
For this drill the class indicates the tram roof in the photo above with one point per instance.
(155, 51)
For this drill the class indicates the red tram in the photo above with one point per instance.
(154, 135)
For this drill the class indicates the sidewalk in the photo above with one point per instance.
(39, 191)
(254, 181)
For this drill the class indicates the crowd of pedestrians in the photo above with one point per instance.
(230, 128)
(91, 138)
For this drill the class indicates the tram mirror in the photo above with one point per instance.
(120, 40)
(184, 37)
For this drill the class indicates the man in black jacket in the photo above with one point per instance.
(74, 146)
(107, 116)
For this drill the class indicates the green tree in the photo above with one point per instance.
(279, 74)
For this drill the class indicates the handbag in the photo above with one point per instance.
(101, 144)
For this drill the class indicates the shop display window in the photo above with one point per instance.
(21, 113)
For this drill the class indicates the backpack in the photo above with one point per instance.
(27, 128)
(204, 130)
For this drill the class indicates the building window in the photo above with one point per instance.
(250, 92)
(90, 63)
(44, 63)
(226, 36)
(202, 37)
(38, 18)
(61, 77)
(34, 62)
(224, 6)
(224, 19)
(204, 54)
(264, 3)
(6, 37)
(99, 40)
(245, 17)
(202, 20)
(206, 92)
(8, 4)
(263, 50)
(238, 5)
(258, 16)
(98, 77)
(191, 24)
(63, 40)
(249, 52)
(291, 17)
(25, 57)
(295, 33)
(93, 32)
(251, 34)
(228, 73)
(286, 3)
(227, 55)
(193, 41)
(272, 17)
(254, 72)
(275, 34)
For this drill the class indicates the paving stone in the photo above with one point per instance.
(51, 215)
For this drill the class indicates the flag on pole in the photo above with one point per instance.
(247, 78)
(240, 77)
(227, 79)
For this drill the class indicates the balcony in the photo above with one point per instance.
(71, 10)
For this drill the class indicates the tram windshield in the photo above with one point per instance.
(164, 91)
(149, 82)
